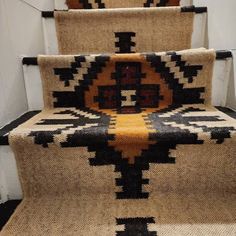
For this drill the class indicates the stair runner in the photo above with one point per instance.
(124, 30)
(94, 4)
(128, 143)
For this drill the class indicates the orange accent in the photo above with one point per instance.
(74, 4)
(173, 3)
(104, 79)
(129, 129)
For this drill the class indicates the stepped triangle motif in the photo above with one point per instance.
(128, 142)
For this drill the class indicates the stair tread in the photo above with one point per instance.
(4, 132)
(71, 127)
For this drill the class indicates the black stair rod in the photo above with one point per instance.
(197, 10)
(223, 54)
(48, 14)
(30, 61)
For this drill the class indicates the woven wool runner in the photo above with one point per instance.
(94, 4)
(109, 31)
(127, 145)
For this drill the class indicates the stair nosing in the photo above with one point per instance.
(4, 132)
(220, 55)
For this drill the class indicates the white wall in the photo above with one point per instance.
(222, 35)
(221, 22)
(20, 34)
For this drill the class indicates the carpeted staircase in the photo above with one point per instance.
(128, 142)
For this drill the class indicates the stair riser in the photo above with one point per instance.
(11, 190)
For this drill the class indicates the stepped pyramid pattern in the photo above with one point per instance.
(128, 142)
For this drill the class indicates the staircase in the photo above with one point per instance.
(128, 141)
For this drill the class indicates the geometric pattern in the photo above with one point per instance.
(131, 111)
(124, 43)
(94, 4)
(113, 125)
(136, 226)
(160, 3)
(86, 128)
(130, 114)
(126, 88)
